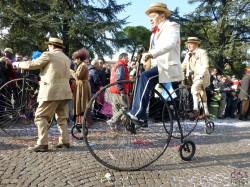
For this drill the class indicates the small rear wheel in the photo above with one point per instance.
(209, 127)
(76, 131)
(187, 150)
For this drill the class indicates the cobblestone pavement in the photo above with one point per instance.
(221, 159)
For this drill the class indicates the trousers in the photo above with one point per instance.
(44, 113)
(146, 83)
(244, 108)
(118, 102)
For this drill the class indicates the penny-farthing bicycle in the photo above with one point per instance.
(184, 103)
(18, 102)
(132, 145)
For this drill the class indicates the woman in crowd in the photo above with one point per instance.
(81, 92)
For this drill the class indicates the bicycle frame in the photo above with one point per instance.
(175, 110)
(137, 72)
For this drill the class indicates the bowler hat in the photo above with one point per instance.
(9, 50)
(158, 7)
(193, 40)
(55, 41)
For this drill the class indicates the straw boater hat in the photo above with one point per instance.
(158, 7)
(193, 40)
(56, 41)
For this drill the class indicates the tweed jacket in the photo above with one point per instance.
(55, 74)
(199, 66)
(166, 52)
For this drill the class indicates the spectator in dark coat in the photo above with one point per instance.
(103, 72)
(225, 88)
(8, 52)
(5, 69)
(94, 77)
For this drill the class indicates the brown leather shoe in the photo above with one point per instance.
(39, 148)
(60, 145)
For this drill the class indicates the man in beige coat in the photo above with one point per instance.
(195, 66)
(53, 94)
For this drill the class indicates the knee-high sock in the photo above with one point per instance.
(205, 108)
(195, 100)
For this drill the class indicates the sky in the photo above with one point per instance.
(137, 16)
(136, 11)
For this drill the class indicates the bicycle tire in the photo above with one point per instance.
(76, 131)
(187, 150)
(126, 148)
(181, 113)
(18, 101)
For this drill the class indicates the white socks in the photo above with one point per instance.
(205, 108)
(195, 100)
(196, 105)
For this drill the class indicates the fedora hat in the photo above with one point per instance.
(8, 50)
(193, 40)
(158, 7)
(55, 41)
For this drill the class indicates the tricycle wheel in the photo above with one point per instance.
(76, 131)
(209, 127)
(187, 150)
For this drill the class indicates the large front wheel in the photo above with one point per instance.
(119, 143)
(18, 101)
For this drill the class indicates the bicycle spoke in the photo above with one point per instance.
(17, 105)
(117, 145)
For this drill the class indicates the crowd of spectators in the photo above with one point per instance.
(227, 96)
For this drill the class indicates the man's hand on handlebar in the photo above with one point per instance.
(147, 56)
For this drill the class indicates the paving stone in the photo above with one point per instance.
(221, 159)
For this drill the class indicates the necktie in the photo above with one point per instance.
(155, 29)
